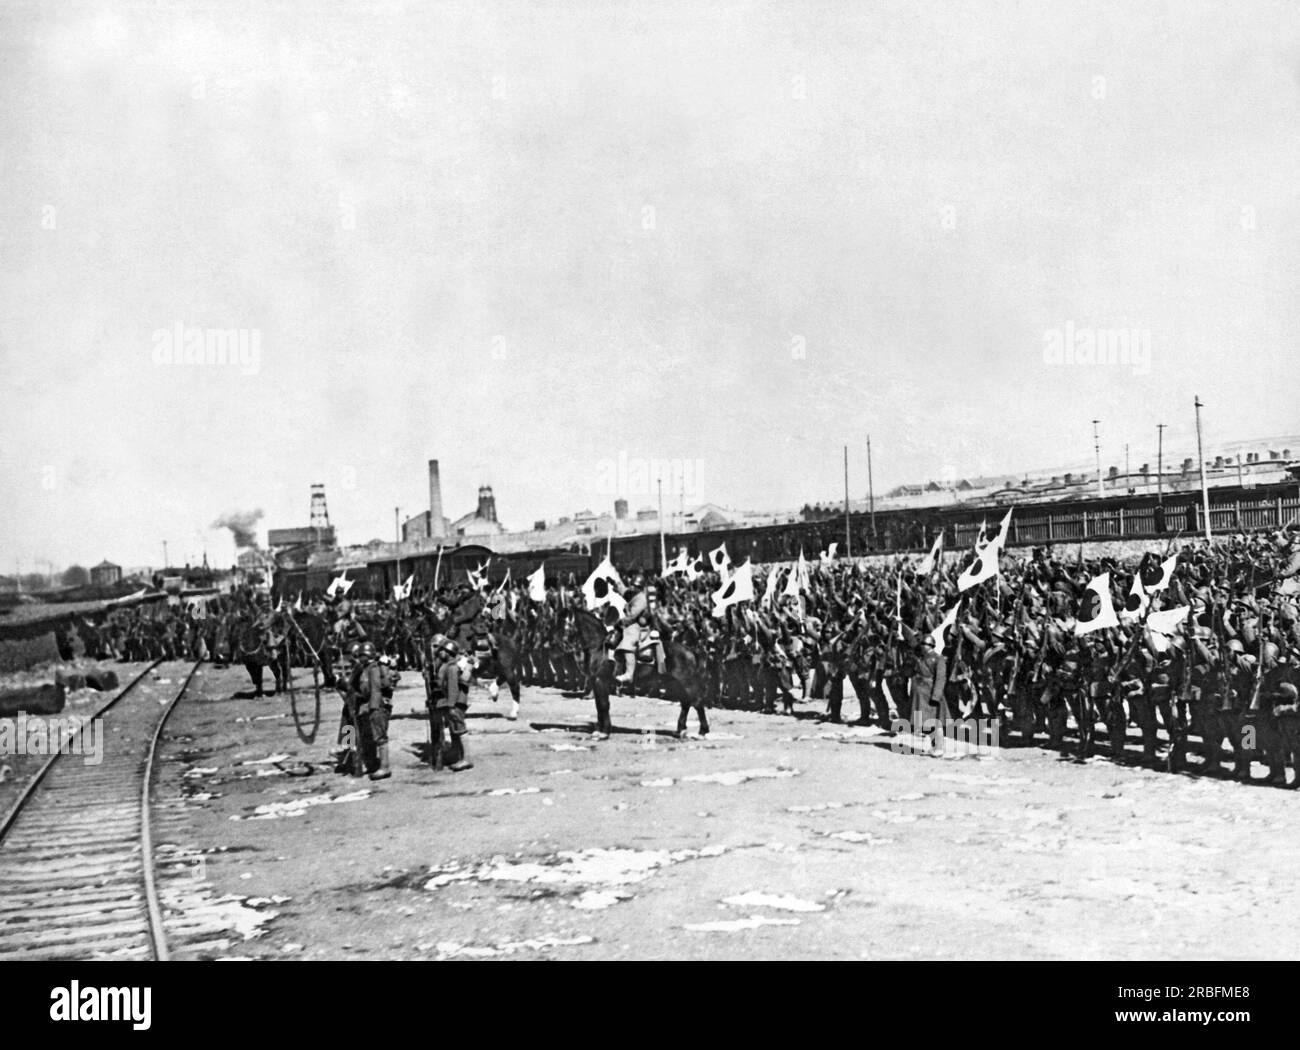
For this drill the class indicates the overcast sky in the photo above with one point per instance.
(524, 237)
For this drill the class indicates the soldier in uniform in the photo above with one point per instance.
(929, 677)
(453, 701)
(373, 711)
(349, 746)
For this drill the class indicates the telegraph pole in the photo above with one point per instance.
(663, 551)
(1160, 463)
(397, 536)
(1096, 447)
(165, 562)
(1200, 453)
(1127, 475)
(848, 536)
(871, 493)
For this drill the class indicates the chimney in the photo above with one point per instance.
(437, 528)
(620, 509)
(1145, 469)
(1218, 461)
(1113, 472)
(1187, 465)
(487, 503)
(1272, 453)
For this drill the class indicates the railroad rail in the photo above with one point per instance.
(77, 876)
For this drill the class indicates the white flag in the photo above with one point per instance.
(984, 567)
(537, 584)
(797, 580)
(720, 560)
(928, 563)
(1136, 603)
(297, 606)
(478, 577)
(402, 591)
(1004, 531)
(981, 541)
(1153, 584)
(339, 585)
(695, 568)
(1096, 610)
(829, 553)
(1161, 625)
(769, 594)
(681, 563)
(740, 588)
(949, 620)
(603, 586)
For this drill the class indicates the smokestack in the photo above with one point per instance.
(436, 530)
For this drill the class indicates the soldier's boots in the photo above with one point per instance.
(463, 762)
(514, 711)
(383, 772)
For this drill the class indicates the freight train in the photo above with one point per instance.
(887, 532)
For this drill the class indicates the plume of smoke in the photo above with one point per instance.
(241, 524)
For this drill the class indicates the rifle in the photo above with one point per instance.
(1253, 708)
(435, 748)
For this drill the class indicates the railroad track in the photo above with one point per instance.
(77, 877)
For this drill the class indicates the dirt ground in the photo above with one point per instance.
(772, 838)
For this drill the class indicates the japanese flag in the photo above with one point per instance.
(720, 560)
(984, 567)
(928, 563)
(1156, 578)
(949, 620)
(603, 586)
(1096, 611)
(739, 588)
(1137, 601)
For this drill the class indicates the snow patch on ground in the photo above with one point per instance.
(819, 807)
(735, 925)
(864, 837)
(453, 950)
(769, 900)
(594, 873)
(299, 806)
(974, 778)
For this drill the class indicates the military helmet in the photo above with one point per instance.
(354, 651)
(367, 651)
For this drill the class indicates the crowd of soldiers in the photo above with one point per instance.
(1012, 655)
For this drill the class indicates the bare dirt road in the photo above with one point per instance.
(772, 838)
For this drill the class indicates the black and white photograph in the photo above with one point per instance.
(614, 480)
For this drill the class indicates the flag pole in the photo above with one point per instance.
(397, 536)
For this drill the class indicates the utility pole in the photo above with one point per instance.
(1127, 475)
(1160, 463)
(1096, 447)
(848, 535)
(871, 493)
(165, 562)
(663, 551)
(1200, 454)
(397, 535)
